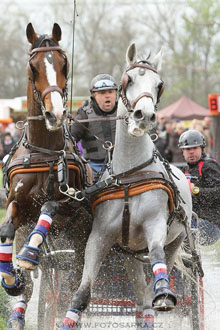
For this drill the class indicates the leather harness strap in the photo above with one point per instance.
(132, 185)
(136, 189)
(42, 168)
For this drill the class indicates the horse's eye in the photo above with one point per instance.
(130, 81)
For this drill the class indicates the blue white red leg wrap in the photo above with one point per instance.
(139, 314)
(43, 225)
(160, 272)
(71, 319)
(6, 265)
(148, 318)
(18, 315)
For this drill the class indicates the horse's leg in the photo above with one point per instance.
(144, 310)
(81, 231)
(97, 248)
(12, 279)
(164, 299)
(28, 257)
(17, 317)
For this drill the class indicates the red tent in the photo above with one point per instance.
(184, 109)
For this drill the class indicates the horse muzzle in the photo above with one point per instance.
(53, 122)
(141, 122)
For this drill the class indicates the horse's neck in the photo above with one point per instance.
(130, 151)
(37, 133)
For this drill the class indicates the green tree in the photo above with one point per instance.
(200, 49)
(13, 54)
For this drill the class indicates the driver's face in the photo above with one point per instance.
(105, 99)
(192, 155)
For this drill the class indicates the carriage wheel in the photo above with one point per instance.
(48, 300)
(55, 288)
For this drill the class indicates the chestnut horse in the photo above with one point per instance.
(39, 171)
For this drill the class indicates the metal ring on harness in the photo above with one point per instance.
(154, 137)
(18, 123)
(108, 145)
(72, 193)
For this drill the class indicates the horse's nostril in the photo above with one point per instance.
(153, 117)
(138, 115)
(50, 117)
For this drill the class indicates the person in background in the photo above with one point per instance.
(208, 130)
(167, 134)
(7, 144)
(198, 125)
(102, 104)
(204, 175)
(176, 153)
(160, 122)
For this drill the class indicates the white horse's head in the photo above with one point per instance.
(141, 88)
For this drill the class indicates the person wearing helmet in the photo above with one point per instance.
(204, 175)
(102, 104)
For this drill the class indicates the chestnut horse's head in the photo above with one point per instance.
(47, 71)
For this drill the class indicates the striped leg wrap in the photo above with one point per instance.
(139, 314)
(160, 272)
(71, 319)
(18, 314)
(43, 225)
(148, 316)
(6, 265)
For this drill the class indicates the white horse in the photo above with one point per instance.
(138, 221)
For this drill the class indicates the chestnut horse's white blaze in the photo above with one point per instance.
(143, 220)
(56, 98)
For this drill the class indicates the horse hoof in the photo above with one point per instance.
(164, 300)
(27, 265)
(19, 285)
(16, 322)
(28, 257)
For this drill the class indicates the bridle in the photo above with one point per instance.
(124, 83)
(39, 97)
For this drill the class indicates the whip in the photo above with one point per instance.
(72, 59)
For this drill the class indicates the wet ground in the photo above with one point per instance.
(211, 266)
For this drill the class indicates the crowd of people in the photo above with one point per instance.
(169, 132)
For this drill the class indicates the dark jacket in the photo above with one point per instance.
(105, 130)
(206, 175)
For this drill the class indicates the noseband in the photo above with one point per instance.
(40, 97)
(124, 82)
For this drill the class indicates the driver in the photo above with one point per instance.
(102, 104)
(204, 175)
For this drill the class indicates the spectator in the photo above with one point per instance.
(161, 122)
(177, 156)
(208, 130)
(198, 125)
(7, 144)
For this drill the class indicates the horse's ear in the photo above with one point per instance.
(157, 60)
(56, 33)
(30, 33)
(131, 54)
